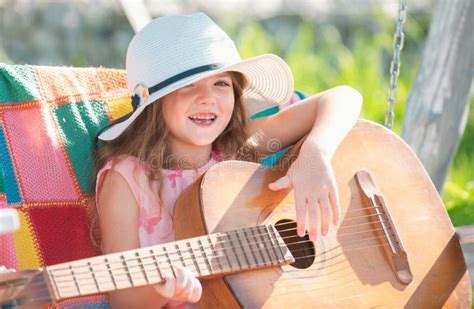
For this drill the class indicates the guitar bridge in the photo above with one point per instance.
(380, 214)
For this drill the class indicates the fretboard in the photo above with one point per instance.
(210, 255)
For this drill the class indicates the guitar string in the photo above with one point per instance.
(351, 218)
(88, 279)
(255, 236)
(280, 224)
(217, 243)
(223, 243)
(48, 299)
(169, 266)
(141, 270)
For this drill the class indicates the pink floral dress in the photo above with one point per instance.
(156, 225)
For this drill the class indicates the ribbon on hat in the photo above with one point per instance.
(135, 101)
(139, 92)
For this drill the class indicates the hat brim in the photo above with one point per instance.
(269, 83)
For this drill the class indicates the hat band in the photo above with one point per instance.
(208, 67)
(180, 76)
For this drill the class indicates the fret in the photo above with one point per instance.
(142, 267)
(85, 278)
(243, 250)
(267, 245)
(118, 272)
(262, 242)
(64, 281)
(110, 272)
(72, 279)
(156, 263)
(100, 273)
(93, 276)
(134, 274)
(193, 257)
(215, 257)
(252, 242)
(102, 268)
(186, 258)
(234, 251)
(126, 273)
(258, 243)
(180, 254)
(75, 279)
(53, 280)
(279, 254)
(203, 253)
(221, 248)
(168, 259)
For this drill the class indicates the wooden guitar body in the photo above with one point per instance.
(349, 267)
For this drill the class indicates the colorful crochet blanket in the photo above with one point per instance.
(49, 117)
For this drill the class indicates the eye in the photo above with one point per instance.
(223, 83)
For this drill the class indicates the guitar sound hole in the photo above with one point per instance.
(301, 247)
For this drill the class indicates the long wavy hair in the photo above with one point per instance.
(146, 139)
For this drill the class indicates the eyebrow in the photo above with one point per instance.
(220, 75)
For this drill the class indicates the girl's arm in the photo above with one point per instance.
(327, 117)
(118, 217)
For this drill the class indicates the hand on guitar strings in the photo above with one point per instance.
(314, 185)
(185, 287)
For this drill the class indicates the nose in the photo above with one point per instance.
(205, 94)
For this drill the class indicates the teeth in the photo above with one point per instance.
(202, 117)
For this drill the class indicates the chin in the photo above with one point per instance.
(203, 141)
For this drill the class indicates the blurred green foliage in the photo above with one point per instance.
(3, 56)
(357, 51)
(459, 187)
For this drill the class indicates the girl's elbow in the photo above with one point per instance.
(350, 95)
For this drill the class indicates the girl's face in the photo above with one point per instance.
(198, 113)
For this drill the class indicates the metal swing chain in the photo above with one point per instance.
(398, 41)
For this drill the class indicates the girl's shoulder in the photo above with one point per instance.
(129, 167)
(126, 164)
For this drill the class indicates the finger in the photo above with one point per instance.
(189, 288)
(324, 210)
(313, 218)
(182, 282)
(336, 207)
(300, 201)
(281, 183)
(197, 291)
(166, 288)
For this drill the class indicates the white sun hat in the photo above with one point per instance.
(174, 51)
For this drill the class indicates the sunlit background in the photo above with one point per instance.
(325, 42)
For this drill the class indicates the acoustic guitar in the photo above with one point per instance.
(394, 247)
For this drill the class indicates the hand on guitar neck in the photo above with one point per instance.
(185, 287)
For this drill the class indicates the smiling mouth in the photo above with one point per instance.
(203, 119)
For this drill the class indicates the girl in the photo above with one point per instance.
(192, 98)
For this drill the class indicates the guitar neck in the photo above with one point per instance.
(206, 256)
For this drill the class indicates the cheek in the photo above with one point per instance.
(171, 116)
(168, 112)
(228, 107)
